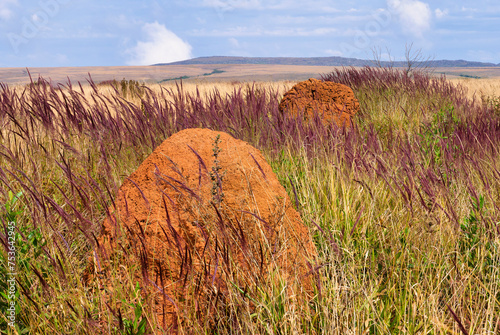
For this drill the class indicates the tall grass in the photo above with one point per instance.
(403, 207)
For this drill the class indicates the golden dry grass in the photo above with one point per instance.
(224, 87)
(489, 87)
(203, 88)
(485, 91)
(152, 74)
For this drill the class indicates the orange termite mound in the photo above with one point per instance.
(333, 102)
(204, 213)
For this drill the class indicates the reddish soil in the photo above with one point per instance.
(197, 243)
(332, 101)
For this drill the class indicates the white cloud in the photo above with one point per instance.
(467, 9)
(161, 46)
(227, 5)
(5, 10)
(262, 31)
(234, 42)
(441, 13)
(330, 10)
(332, 52)
(414, 16)
(323, 6)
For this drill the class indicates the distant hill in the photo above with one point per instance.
(320, 61)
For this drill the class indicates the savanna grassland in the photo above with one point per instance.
(403, 206)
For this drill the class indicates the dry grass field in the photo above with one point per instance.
(487, 87)
(201, 77)
(201, 73)
(153, 74)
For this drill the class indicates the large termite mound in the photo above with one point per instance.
(205, 214)
(333, 102)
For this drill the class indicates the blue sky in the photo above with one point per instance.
(125, 32)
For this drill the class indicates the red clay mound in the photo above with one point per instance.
(332, 101)
(206, 215)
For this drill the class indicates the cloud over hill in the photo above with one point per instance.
(161, 45)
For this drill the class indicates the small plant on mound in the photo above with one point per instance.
(215, 175)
